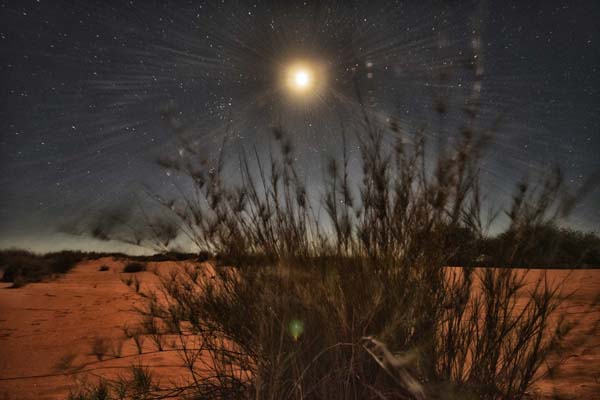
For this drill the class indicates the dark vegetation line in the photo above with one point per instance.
(553, 247)
(21, 266)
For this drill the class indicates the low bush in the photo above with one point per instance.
(134, 267)
(364, 306)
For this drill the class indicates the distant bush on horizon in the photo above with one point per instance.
(133, 267)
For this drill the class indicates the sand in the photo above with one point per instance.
(48, 328)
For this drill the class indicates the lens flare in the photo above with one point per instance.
(296, 328)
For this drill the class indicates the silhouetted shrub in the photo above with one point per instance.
(133, 267)
(290, 309)
(104, 268)
(203, 256)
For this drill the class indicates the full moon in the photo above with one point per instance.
(300, 78)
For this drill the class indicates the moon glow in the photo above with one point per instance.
(301, 79)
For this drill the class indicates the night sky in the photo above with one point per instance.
(83, 85)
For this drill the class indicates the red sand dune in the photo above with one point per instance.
(46, 324)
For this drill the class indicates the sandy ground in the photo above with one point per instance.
(44, 325)
(47, 328)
